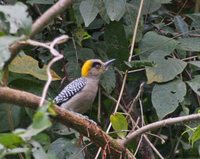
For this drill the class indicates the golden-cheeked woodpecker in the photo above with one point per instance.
(79, 95)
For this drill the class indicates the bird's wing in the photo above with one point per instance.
(70, 90)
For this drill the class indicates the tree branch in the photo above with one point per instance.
(41, 22)
(84, 126)
(159, 124)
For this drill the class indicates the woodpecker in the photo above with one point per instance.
(79, 95)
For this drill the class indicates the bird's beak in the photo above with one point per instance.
(107, 63)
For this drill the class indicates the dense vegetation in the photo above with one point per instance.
(155, 77)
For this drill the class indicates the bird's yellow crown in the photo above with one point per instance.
(86, 68)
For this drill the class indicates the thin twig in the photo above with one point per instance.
(126, 73)
(140, 92)
(55, 53)
(153, 147)
(57, 56)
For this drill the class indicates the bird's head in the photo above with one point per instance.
(95, 67)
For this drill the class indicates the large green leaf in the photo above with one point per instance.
(189, 44)
(63, 148)
(166, 97)
(5, 42)
(115, 9)
(116, 42)
(89, 11)
(153, 41)
(27, 65)
(17, 15)
(119, 124)
(163, 69)
(195, 84)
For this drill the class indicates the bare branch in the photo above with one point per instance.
(41, 22)
(84, 126)
(159, 124)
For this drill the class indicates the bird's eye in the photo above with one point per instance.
(97, 66)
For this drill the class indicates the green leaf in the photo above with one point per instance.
(195, 84)
(116, 42)
(195, 63)
(129, 20)
(20, 21)
(189, 44)
(181, 26)
(115, 9)
(164, 69)
(119, 124)
(89, 11)
(41, 122)
(153, 41)
(27, 65)
(38, 151)
(65, 148)
(8, 113)
(108, 80)
(166, 97)
(5, 42)
(195, 136)
(10, 140)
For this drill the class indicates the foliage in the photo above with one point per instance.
(167, 48)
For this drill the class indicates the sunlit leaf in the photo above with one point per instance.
(166, 97)
(119, 124)
(17, 15)
(195, 136)
(10, 140)
(27, 65)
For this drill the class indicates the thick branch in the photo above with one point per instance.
(159, 124)
(85, 127)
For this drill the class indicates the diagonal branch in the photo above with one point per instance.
(84, 126)
(159, 124)
(41, 22)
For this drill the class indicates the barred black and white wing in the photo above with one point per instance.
(70, 90)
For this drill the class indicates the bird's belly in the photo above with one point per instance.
(80, 103)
